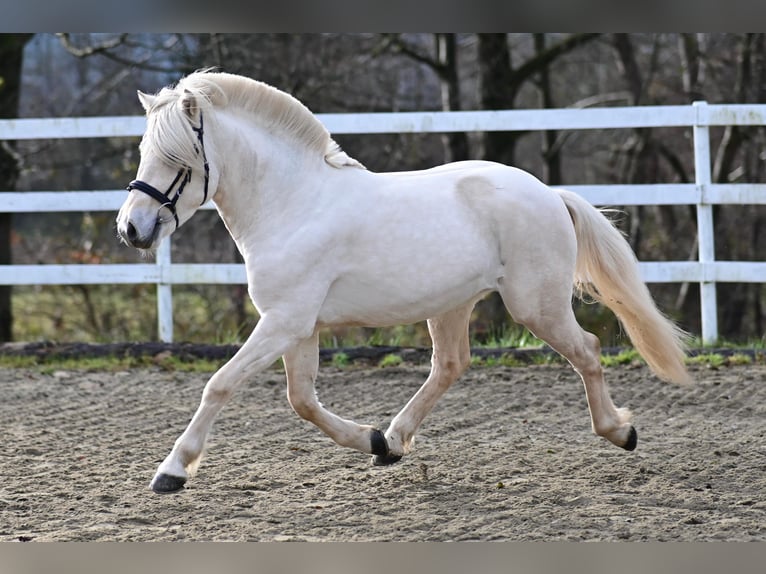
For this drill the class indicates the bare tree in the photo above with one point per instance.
(11, 58)
(502, 82)
(442, 59)
(550, 147)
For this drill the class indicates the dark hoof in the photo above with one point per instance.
(379, 446)
(165, 483)
(385, 460)
(632, 440)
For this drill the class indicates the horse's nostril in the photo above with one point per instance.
(131, 233)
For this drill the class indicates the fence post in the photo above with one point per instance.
(164, 293)
(705, 229)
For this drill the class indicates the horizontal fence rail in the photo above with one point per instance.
(700, 113)
(702, 193)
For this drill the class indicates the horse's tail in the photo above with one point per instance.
(607, 271)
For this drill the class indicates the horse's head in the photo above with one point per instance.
(173, 178)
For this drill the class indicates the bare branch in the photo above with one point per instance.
(630, 67)
(544, 58)
(108, 47)
(733, 136)
(66, 41)
(396, 44)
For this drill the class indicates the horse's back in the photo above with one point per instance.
(495, 195)
(474, 181)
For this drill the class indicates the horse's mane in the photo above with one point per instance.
(169, 131)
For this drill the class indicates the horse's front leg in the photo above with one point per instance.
(301, 363)
(265, 345)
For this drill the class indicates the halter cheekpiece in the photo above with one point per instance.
(183, 176)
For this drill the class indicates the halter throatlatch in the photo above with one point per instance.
(183, 176)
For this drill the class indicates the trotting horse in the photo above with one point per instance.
(327, 242)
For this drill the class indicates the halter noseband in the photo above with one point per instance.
(184, 176)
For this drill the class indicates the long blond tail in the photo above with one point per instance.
(607, 271)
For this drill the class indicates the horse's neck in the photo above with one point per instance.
(266, 184)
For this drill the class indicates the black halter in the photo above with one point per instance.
(183, 176)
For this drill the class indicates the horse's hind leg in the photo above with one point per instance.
(301, 363)
(547, 312)
(451, 357)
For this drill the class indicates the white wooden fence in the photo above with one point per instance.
(702, 193)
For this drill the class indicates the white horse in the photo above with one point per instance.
(327, 242)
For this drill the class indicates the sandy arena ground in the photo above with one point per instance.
(507, 454)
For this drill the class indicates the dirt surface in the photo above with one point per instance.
(507, 454)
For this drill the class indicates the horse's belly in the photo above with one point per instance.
(354, 302)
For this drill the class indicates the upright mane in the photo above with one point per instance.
(170, 134)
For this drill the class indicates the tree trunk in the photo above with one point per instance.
(497, 93)
(550, 150)
(456, 143)
(11, 55)
(692, 66)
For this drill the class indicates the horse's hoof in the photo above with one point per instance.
(166, 483)
(381, 454)
(632, 440)
(385, 460)
(378, 443)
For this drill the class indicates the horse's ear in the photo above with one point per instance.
(188, 104)
(146, 100)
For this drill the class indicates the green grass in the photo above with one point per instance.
(508, 336)
(340, 360)
(625, 357)
(168, 362)
(390, 360)
(740, 359)
(18, 362)
(710, 360)
(504, 360)
(48, 365)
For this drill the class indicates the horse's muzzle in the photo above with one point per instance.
(131, 235)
